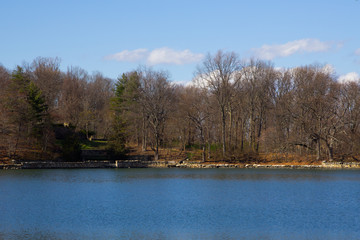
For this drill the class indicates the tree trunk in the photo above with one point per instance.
(143, 147)
(318, 148)
(203, 146)
(13, 154)
(223, 132)
(156, 156)
(230, 129)
(209, 150)
(189, 134)
(252, 130)
(330, 150)
(236, 133)
(138, 137)
(331, 153)
(203, 152)
(318, 139)
(259, 134)
(242, 136)
(208, 143)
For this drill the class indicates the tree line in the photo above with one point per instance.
(231, 108)
(35, 98)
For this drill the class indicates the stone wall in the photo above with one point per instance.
(207, 165)
(283, 166)
(50, 165)
(140, 164)
(94, 155)
(341, 164)
(10, 166)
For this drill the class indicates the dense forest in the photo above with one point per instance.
(232, 108)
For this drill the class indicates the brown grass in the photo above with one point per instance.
(176, 154)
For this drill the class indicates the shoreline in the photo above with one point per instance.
(171, 164)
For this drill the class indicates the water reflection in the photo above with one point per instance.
(120, 175)
(28, 235)
(179, 204)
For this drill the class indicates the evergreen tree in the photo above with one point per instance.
(28, 112)
(39, 115)
(125, 100)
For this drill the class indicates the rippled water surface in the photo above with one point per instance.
(179, 204)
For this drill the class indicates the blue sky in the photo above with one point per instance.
(117, 36)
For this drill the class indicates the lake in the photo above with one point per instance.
(179, 204)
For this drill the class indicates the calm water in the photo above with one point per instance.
(179, 204)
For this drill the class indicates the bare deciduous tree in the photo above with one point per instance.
(194, 104)
(258, 78)
(218, 74)
(157, 99)
(72, 95)
(46, 74)
(317, 113)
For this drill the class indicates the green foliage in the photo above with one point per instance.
(28, 103)
(26, 113)
(194, 146)
(116, 144)
(19, 80)
(120, 88)
(190, 155)
(116, 148)
(215, 147)
(39, 114)
(36, 100)
(16, 97)
(126, 92)
(93, 145)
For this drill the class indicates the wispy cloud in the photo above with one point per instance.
(357, 52)
(269, 52)
(129, 56)
(157, 56)
(349, 77)
(170, 56)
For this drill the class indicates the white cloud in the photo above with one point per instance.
(328, 69)
(269, 52)
(157, 56)
(170, 56)
(357, 52)
(129, 56)
(185, 83)
(350, 77)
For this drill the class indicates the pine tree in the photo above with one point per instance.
(27, 109)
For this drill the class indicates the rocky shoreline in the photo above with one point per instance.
(324, 165)
(171, 164)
